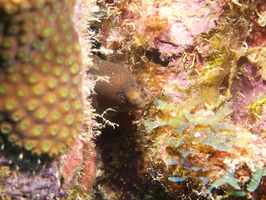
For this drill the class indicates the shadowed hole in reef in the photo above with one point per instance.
(154, 56)
(21, 160)
(120, 158)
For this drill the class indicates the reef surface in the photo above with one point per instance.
(202, 133)
(201, 64)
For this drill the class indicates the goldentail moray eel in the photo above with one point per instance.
(120, 90)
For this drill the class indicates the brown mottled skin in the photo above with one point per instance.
(121, 91)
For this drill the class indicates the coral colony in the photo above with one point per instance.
(41, 104)
(40, 80)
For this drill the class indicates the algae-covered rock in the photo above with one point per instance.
(201, 66)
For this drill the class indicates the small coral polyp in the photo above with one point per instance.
(40, 63)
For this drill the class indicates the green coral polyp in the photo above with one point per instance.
(36, 60)
(46, 147)
(32, 106)
(43, 47)
(77, 46)
(26, 28)
(26, 70)
(51, 99)
(74, 69)
(66, 107)
(58, 71)
(54, 131)
(51, 83)
(10, 105)
(68, 49)
(73, 94)
(37, 131)
(37, 26)
(75, 80)
(65, 133)
(2, 89)
(5, 56)
(37, 91)
(42, 115)
(62, 149)
(26, 58)
(29, 146)
(21, 92)
(70, 120)
(56, 116)
(5, 128)
(48, 56)
(68, 37)
(14, 78)
(12, 30)
(79, 128)
(32, 79)
(64, 78)
(6, 44)
(59, 60)
(12, 69)
(64, 93)
(70, 61)
(64, 26)
(78, 105)
(59, 48)
(47, 31)
(55, 38)
(21, 54)
(23, 39)
(24, 126)
(16, 117)
(51, 18)
(12, 139)
(75, 133)
(61, 16)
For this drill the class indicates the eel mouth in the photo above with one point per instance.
(141, 105)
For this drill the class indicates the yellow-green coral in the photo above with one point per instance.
(217, 74)
(257, 107)
(40, 62)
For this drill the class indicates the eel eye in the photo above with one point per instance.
(121, 98)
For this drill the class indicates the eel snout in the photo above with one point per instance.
(135, 97)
